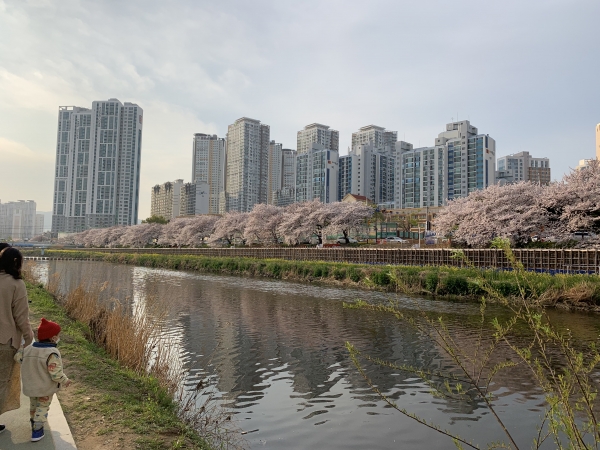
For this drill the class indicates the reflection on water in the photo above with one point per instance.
(275, 351)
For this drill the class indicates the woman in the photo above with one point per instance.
(14, 327)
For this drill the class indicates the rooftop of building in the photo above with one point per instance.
(368, 127)
(247, 119)
(317, 125)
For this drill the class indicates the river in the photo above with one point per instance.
(275, 352)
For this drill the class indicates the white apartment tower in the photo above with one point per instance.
(282, 170)
(317, 133)
(246, 173)
(275, 161)
(39, 224)
(460, 162)
(379, 137)
(208, 168)
(317, 174)
(97, 174)
(598, 141)
(523, 167)
(18, 220)
(368, 169)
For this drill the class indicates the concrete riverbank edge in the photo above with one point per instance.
(107, 406)
(58, 435)
(572, 291)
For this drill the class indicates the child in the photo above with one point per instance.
(42, 375)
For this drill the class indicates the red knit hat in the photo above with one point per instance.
(47, 329)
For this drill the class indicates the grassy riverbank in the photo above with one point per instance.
(108, 406)
(572, 291)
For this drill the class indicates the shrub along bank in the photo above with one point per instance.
(572, 291)
(109, 406)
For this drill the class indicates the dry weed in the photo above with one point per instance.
(134, 334)
(580, 293)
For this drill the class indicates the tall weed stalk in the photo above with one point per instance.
(563, 371)
(136, 337)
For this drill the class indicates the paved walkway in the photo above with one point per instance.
(18, 430)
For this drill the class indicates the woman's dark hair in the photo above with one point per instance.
(3, 245)
(11, 262)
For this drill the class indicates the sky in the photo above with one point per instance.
(524, 72)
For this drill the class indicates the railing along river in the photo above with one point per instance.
(539, 260)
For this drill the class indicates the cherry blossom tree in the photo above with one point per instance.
(229, 227)
(574, 203)
(306, 219)
(141, 235)
(197, 230)
(105, 237)
(171, 234)
(512, 211)
(263, 223)
(346, 217)
(290, 228)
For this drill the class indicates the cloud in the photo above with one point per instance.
(14, 153)
(521, 71)
(26, 174)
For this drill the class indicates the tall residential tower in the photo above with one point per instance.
(208, 169)
(317, 133)
(368, 169)
(598, 141)
(282, 171)
(97, 174)
(246, 173)
(461, 161)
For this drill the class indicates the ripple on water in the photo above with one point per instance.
(274, 352)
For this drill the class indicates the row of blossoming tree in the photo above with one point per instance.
(264, 225)
(522, 210)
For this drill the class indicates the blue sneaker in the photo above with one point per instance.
(36, 435)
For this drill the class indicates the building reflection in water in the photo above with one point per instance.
(275, 351)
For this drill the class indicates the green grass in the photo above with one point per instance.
(579, 290)
(129, 402)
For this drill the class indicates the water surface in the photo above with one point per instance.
(275, 352)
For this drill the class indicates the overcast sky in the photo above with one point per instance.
(525, 72)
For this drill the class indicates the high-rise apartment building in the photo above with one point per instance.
(284, 196)
(461, 162)
(317, 133)
(379, 137)
(523, 167)
(208, 167)
(39, 224)
(97, 174)
(18, 220)
(275, 160)
(317, 174)
(368, 169)
(166, 200)
(194, 199)
(598, 141)
(246, 173)
(282, 170)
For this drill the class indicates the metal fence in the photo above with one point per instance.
(539, 260)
